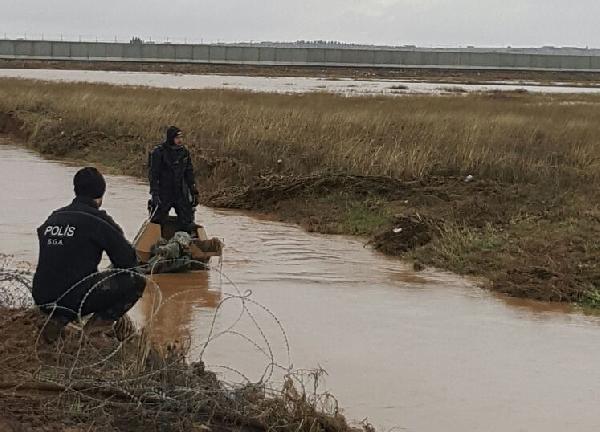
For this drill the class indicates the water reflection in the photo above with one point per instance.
(169, 303)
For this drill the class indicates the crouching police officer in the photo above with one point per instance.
(172, 184)
(67, 284)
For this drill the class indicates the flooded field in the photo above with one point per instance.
(344, 86)
(421, 352)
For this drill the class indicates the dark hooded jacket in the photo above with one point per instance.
(170, 170)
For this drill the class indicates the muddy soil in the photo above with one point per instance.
(97, 383)
(30, 401)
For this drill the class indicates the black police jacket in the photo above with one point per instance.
(71, 242)
(170, 172)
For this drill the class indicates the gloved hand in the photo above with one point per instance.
(195, 198)
(155, 199)
(153, 203)
(150, 207)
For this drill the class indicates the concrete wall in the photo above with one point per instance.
(408, 58)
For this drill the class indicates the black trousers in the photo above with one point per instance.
(109, 295)
(183, 209)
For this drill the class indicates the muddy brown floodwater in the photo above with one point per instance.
(421, 352)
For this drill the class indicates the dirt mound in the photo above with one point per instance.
(275, 188)
(24, 352)
(19, 332)
(558, 286)
(10, 124)
(35, 394)
(405, 234)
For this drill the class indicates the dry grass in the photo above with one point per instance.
(530, 212)
(514, 138)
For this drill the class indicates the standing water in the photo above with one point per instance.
(426, 352)
(344, 86)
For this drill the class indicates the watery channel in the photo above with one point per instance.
(343, 86)
(421, 352)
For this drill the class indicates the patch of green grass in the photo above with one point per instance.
(591, 299)
(363, 219)
(356, 215)
(463, 249)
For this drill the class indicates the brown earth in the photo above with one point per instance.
(36, 396)
(98, 384)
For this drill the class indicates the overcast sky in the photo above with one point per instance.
(396, 22)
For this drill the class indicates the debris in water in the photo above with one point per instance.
(469, 178)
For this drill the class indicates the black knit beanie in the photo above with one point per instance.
(89, 183)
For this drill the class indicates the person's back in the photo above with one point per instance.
(71, 243)
(67, 284)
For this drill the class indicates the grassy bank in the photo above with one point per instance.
(392, 169)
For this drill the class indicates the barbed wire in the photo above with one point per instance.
(159, 380)
(112, 38)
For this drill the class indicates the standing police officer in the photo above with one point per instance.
(67, 284)
(172, 184)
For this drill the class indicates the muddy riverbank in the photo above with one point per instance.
(96, 383)
(424, 351)
(495, 186)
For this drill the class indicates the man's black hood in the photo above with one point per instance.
(172, 132)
